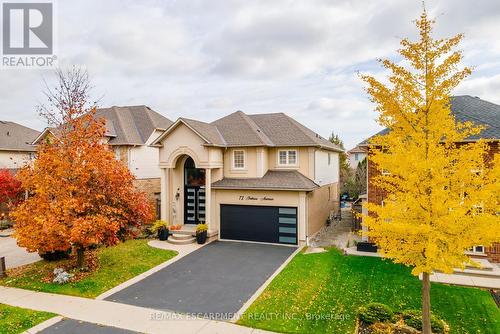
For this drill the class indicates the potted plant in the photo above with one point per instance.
(201, 233)
(160, 227)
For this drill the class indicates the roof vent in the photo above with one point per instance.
(8, 133)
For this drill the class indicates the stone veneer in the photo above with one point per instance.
(151, 187)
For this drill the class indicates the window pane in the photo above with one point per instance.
(287, 230)
(292, 157)
(287, 240)
(239, 159)
(287, 211)
(282, 157)
(284, 220)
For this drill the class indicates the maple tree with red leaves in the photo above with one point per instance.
(80, 195)
(10, 187)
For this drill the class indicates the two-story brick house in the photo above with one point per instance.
(261, 178)
(464, 108)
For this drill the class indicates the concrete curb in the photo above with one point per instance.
(41, 326)
(261, 289)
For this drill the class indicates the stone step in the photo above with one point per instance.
(181, 242)
(180, 236)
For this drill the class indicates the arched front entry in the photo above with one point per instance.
(194, 193)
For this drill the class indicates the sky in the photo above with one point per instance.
(206, 59)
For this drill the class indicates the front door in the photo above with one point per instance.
(194, 193)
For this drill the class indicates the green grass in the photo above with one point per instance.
(117, 264)
(335, 286)
(14, 320)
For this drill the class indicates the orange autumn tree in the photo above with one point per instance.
(442, 191)
(79, 194)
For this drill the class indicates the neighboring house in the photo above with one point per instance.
(129, 131)
(262, 178)
(355, 156)
(464, 108)
(15, 145)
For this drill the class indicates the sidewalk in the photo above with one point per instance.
(112, 314)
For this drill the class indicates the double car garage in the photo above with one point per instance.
(271, 224)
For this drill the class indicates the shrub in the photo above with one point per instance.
(413, 318)
(375, 312)
(55, 255)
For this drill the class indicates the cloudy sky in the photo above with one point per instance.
(204, 59)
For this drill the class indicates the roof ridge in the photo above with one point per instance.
(256, 129)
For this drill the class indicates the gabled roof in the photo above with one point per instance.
(272, 180)
(131, 125)
(357, 149)
(239, 129)
(16, 137)
(473, 109)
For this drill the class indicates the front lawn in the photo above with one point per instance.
(117, 264)
(330, 287)
(14, 320)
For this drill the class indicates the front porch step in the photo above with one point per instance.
(173, 241)
(180, 236)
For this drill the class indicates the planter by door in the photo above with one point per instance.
(201, 237)
(163, 234)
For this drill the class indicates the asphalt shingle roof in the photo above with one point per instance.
(131, 125)
(473, 109)
(274, 130)
(16, 137)
(273, 179)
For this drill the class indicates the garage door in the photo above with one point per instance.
(259, 223)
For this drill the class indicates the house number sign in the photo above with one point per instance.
(253, 198)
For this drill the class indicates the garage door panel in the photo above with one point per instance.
(259, 223)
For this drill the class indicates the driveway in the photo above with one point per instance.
(14, 255)
(217, 278)
(70, 326)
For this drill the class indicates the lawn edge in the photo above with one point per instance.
(261, 289)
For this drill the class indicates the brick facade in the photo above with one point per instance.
(377, 195)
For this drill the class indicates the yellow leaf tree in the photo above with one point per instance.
(441, 188)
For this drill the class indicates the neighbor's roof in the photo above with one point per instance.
(357, 149)
(272, 180)
(16, 137)
(131, 125)
(473, 109)
(274, 130)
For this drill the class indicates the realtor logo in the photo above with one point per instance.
(27, 34)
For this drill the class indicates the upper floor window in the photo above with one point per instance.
(239, 159)
(356, 156)
(287, 158)
(329, 159)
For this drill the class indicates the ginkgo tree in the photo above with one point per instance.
(80, 196)
(442, 190)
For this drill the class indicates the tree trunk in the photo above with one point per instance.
(426, 304)
(80, 258)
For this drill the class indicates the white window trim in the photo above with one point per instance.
(287, 158)
(473, 250)
(244, 160)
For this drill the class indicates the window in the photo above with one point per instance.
(118, 155)
(477, 249)
(239, 159)
(287, 158)
(329, 159)
(356, 156)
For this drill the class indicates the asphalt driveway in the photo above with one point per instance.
(70, 326)
(217, 278)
